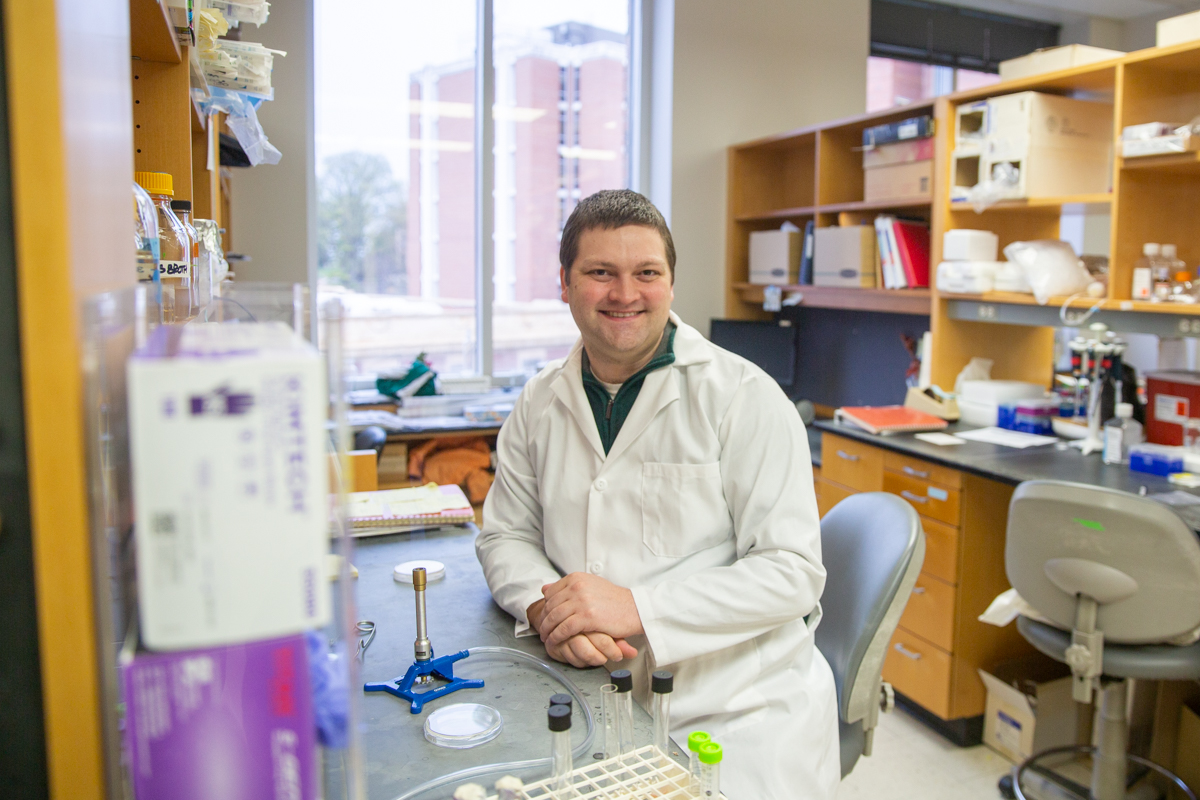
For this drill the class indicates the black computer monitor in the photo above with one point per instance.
(768, 344)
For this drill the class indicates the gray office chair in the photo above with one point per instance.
(873, 547)
(1119, 576)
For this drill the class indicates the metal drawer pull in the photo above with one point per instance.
(918, 590)
(916, 498)
(916, 473)
(904, 651)
(843, 454)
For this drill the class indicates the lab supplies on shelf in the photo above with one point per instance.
(227, 433)
(174, 247)
(145, 234)
(775, 256)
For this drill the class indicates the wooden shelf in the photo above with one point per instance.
(151, 35)
(875, 205)
(1139, 306)
(1099, 77)
(1183, 162)
(779, 213)
(1090, 201)
(893, 301)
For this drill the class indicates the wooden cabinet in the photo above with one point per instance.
(940, 644)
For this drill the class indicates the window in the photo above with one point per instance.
(397, 176)
(892, 82)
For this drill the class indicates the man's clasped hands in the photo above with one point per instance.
(585, 620)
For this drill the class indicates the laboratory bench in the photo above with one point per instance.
(461, 615)
(962, 493)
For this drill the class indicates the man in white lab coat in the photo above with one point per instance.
(654, 504)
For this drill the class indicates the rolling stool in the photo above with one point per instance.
(1119, 577)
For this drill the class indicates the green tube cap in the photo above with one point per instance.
(710, 753)
(697, 738)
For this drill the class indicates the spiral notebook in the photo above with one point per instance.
(418, 506)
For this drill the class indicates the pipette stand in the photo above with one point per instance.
(441, 667)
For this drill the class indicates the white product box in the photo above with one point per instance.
(1030, 120)
(964, 244)
(1177, 30)
(1052, 59)
(1147, 130)
(1041, 714)
(775, 257)
(846, 256)
(966, 277)
(1160, 145)
(970, 124)
(230, 480)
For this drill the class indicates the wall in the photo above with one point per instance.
(744, 70)
(275, 206)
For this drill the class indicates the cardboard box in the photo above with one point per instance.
(899, 182)
(898, 153)
(845, 256)
(914, 128)
(775, 257)
(1187, 749)
(1031, 120)
(1020, 722)
(1177, 30)
(966, 244)
(227, 438)
(1052, 59)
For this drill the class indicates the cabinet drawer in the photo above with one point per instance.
(829, 495)
(941, 550)
(930, 612)
(853, 464)
(928, 499)
(919, 671)
(922, 470)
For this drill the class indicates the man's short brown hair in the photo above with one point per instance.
(609, 209)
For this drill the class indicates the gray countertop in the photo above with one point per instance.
(461, 615)
(1010, 465)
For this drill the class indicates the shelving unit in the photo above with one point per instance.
(812, 173)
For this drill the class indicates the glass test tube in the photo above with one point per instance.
(695, 739)
(623, 680)
(608, 708)
(559, 719)
(661, 684)
(710, 769)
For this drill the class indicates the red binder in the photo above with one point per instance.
(912, 238)
(890, 419)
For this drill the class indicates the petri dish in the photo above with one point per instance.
(463, 725)
(434, 571)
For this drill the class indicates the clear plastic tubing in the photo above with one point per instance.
(559, 720)
(710, 769)
(661, 684)
(623, 680)
(695, 739)
(437, 787)
(608, 706)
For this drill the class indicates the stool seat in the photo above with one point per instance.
(1148, 662)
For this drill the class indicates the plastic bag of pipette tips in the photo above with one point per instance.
(1051, 266)
(1000, 185)
(243, 122)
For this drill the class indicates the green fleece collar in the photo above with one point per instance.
(610, 412)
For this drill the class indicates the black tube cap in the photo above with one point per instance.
(181, 205)
(662, 682)
(562, 700)
(559, 718)
(623, 679)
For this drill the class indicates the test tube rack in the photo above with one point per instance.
(640, 775)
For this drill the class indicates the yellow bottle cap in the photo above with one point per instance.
(1182, 276)
(156, 182)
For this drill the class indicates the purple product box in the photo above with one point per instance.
(233, 722)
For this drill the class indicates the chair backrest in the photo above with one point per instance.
(872, 546)
(1133, 555)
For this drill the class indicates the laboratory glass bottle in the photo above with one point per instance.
(183, 210)
(1120, 433)
(695, 739)
(1143, 272)
(145, 229)
(661, 684)
(1165, 267)
(1183, 288)
(612, 733)
(559, 720)
(623, 680)
(710, 769)
(174, 246)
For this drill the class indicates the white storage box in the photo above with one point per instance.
(1177, 30)
(845, 256)
(1041, 714)
(1160, 145)
(966, 277)
(1052, 59)
(775, 257)
(227, 437)
(964, 244)
(970, 124)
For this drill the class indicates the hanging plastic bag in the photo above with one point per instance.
(1051, 266)
(998, 186)
(243, 122)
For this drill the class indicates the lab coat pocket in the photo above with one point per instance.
(683, 508)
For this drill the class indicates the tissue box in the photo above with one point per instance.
(227, 437)
(845, 256)
(1020, 722)
(224, 722)
(775, 257)
(1177, 30)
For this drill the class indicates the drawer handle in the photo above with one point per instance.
(916, 473)
(916, 498)
(904, 651)
(842, 454)
(918, 590)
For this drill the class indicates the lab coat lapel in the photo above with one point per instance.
(568, 387)
(660, 389)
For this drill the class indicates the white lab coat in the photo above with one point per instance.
(704, 507)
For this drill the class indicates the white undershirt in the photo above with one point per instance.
(611, 388)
